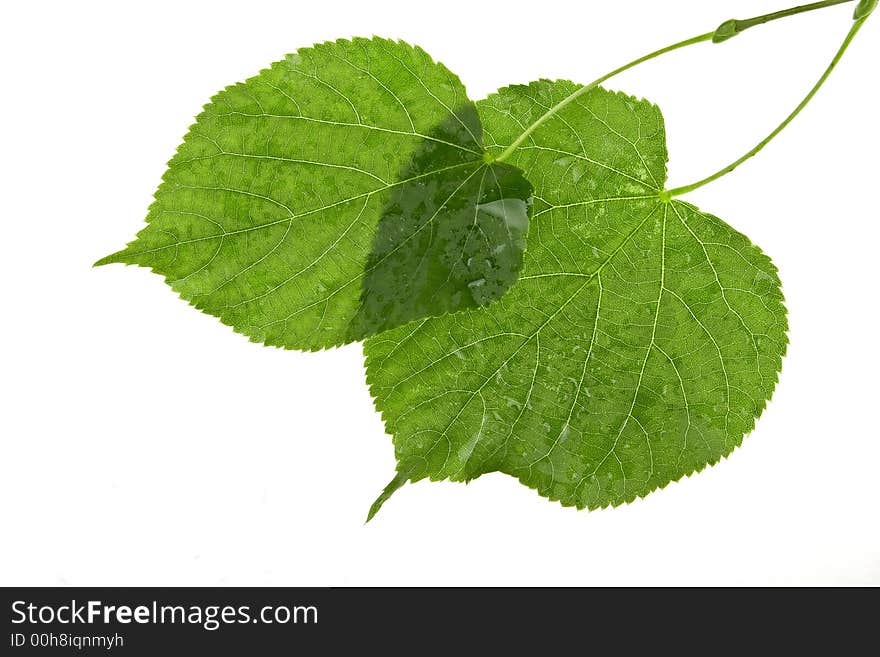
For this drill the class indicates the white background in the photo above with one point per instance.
(146, 443)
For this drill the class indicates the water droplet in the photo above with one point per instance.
(512, 211)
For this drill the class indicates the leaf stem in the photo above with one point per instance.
(725, 31)
(678, 191)
(595, 83)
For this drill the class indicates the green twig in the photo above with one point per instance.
(725, 31)
(729, 29)
(684, 189)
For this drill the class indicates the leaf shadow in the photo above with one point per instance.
(451, 236)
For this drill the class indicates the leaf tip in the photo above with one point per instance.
(108, 260)
(399, 480)
(374, 509)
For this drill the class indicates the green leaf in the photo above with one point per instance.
(641, 342)
(340, 192)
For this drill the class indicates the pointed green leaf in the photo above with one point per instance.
(641, 342)
(342, 191)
